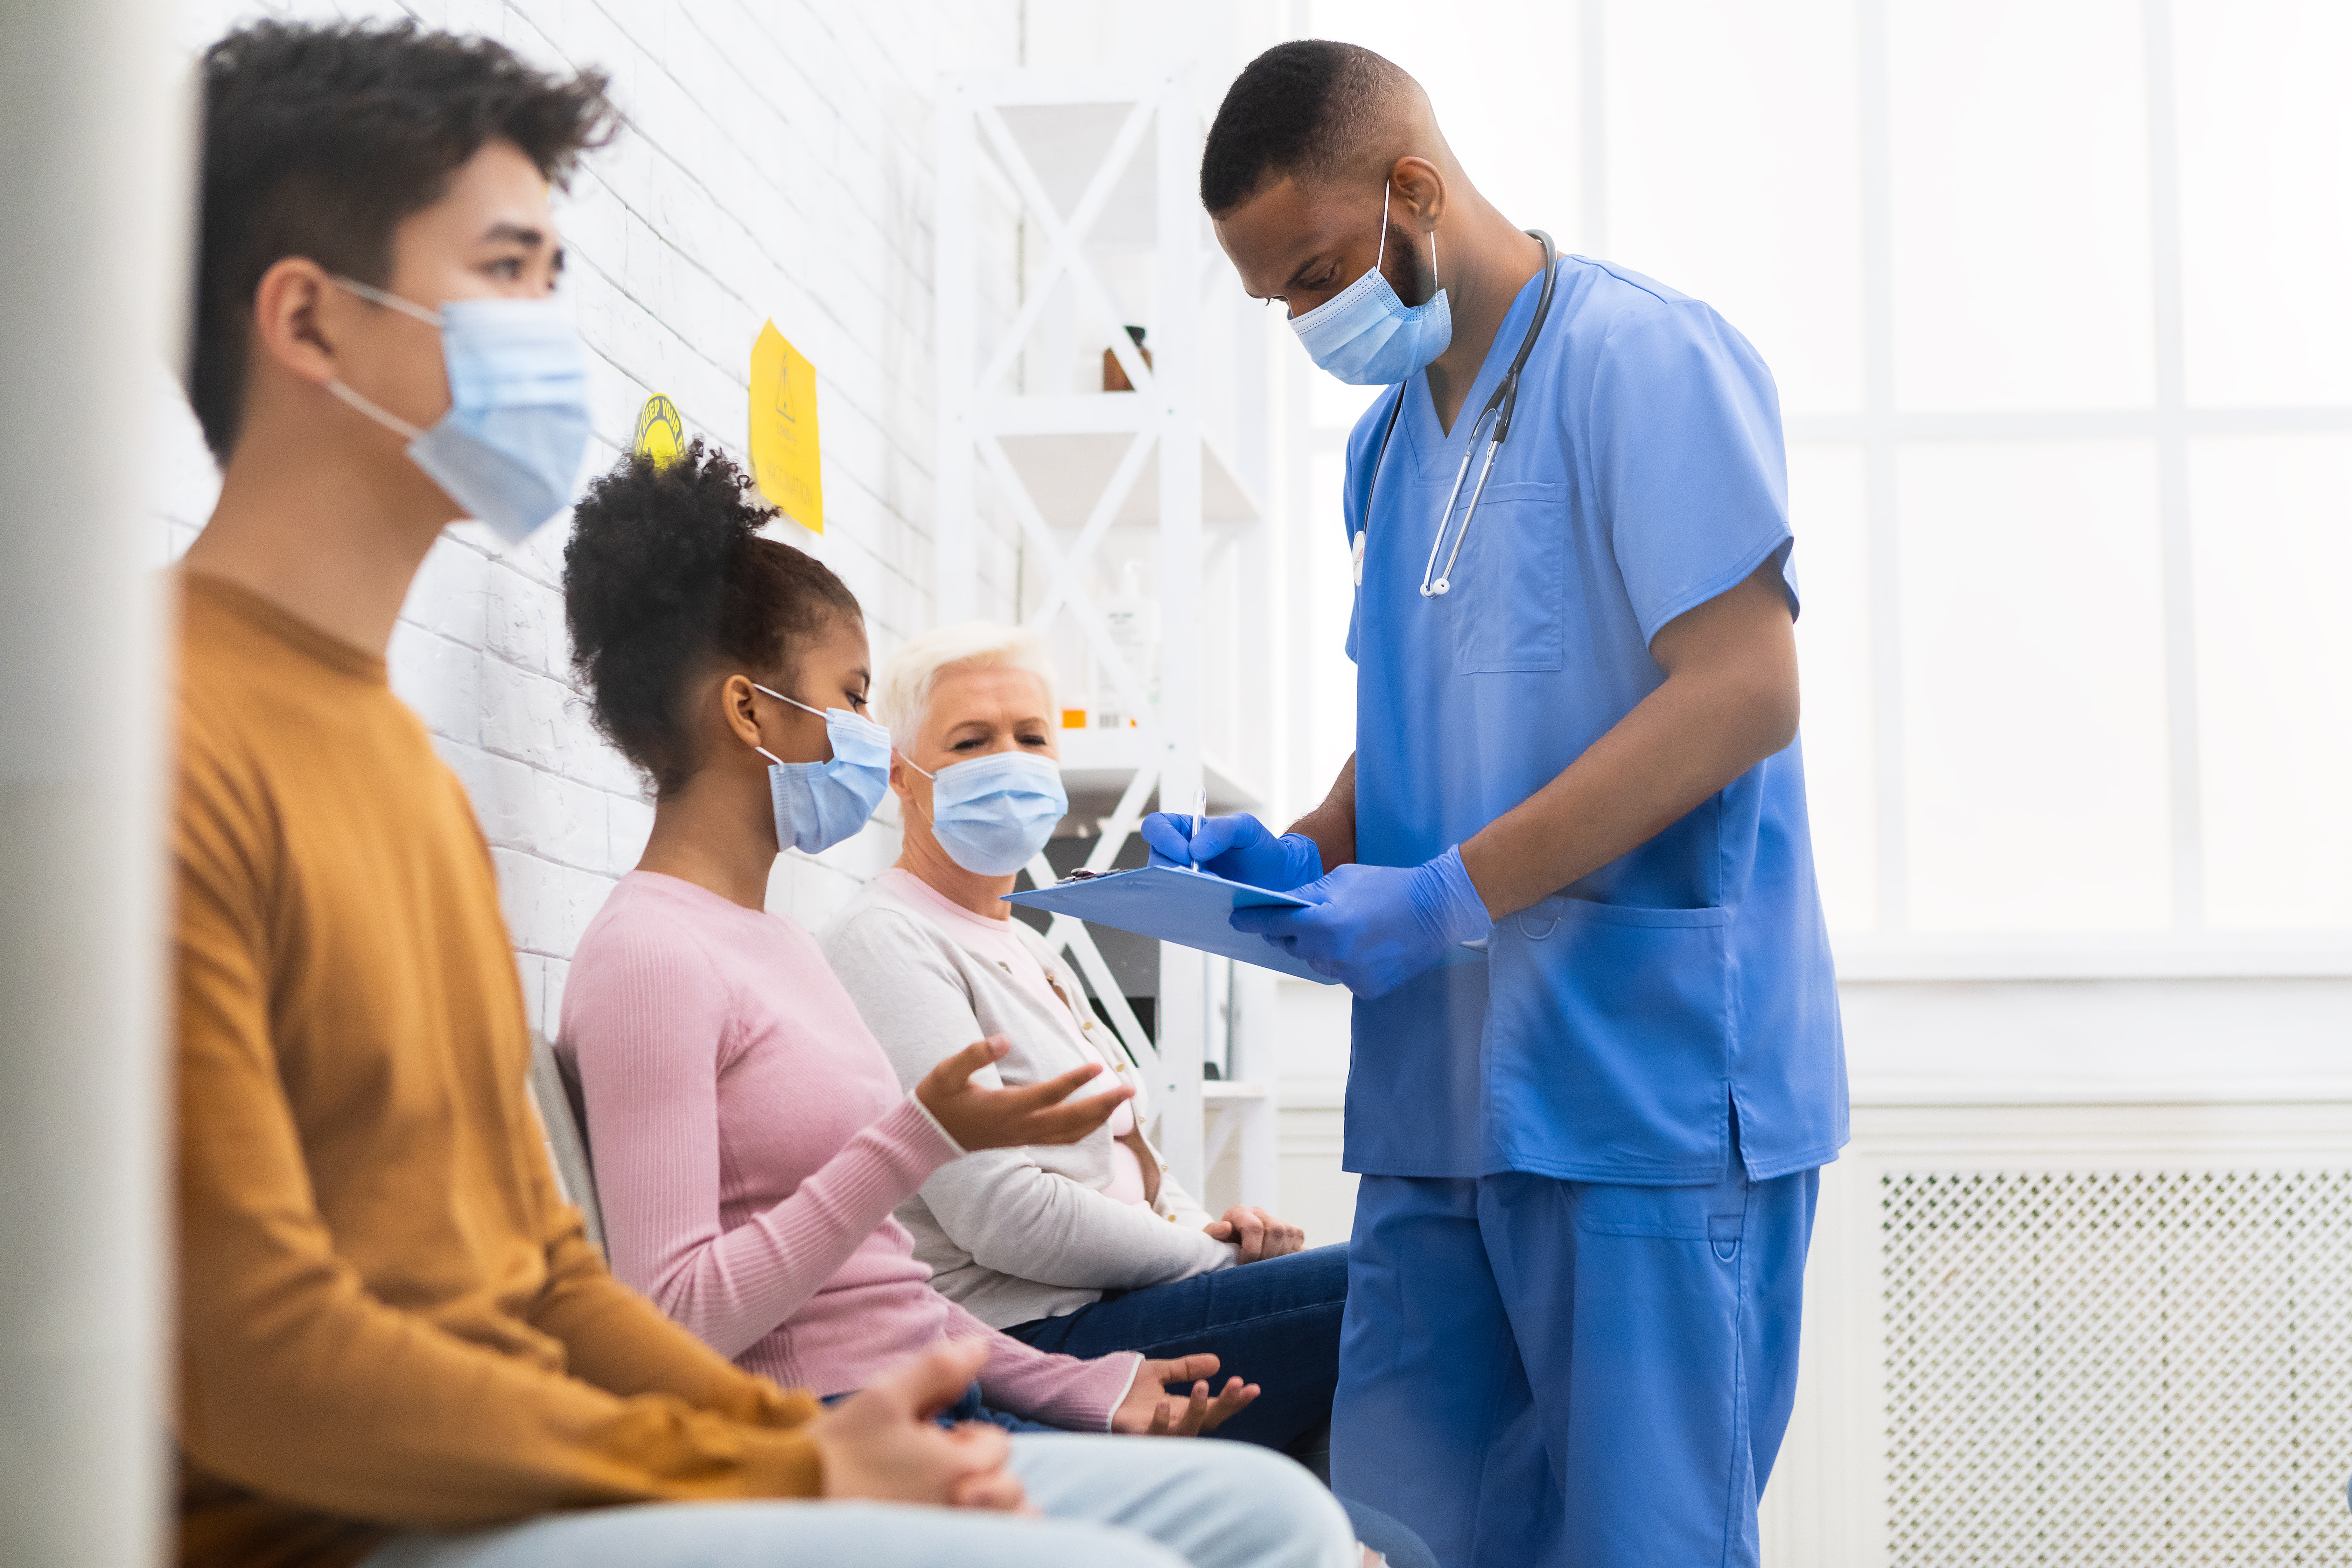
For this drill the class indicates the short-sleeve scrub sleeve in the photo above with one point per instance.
(1683, 425)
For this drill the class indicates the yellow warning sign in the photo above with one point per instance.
(783, 429)
(660, 433)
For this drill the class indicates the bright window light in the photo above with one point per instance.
(2266, 200)
(2273, 542)
(1826, 498)
(1732, 169)
(2033, 696)
(2020, 205)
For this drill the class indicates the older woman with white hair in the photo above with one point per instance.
(1093, 1244)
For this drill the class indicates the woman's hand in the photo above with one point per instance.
(1257, 1233)
(1150, 1411)
(980, 1118)
(884, 1444)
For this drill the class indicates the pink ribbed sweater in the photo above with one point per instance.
(750, 1142)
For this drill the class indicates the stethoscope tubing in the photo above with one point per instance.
(1500, 405)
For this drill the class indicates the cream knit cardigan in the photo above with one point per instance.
(1011, 1235)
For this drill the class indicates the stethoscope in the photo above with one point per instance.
(1498, 407)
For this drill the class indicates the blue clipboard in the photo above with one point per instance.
(1191, 909)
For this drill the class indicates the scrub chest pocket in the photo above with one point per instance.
(1510, 588)
(1608, 1041)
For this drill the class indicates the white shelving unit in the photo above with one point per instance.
(1100, 170)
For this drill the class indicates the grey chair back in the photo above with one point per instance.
(564, 1117)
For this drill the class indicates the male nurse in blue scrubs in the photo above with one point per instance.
(1566, 874)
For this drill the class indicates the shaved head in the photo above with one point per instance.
(1315, 111)
(1325, 164)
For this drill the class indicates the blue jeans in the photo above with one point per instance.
(1274, 1323)
(1151, 1502)
(973, 1406)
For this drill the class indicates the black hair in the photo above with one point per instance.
(1303, 107)
(666, 573)
(317, 141)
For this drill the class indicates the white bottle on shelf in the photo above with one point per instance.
(1133, 620)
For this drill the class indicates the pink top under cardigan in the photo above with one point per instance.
(750, 1141)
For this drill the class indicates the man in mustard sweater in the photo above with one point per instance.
(395, 1347)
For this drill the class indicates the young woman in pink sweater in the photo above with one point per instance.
(749, 1136)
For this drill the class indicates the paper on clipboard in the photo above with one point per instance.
(1191, 909)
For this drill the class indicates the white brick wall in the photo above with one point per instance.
(776, 162)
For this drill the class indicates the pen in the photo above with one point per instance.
(1200, 818)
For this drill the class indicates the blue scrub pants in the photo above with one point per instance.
(1544, 1373)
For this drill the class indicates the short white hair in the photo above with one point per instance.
(902, 692)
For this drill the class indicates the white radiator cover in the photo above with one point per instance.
(2076, 1335)
(2125, 1367)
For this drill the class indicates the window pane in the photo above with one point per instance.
(2035, 743)
(2273, 549)
(1832, 559)
(1733, 176)
(2265, 101)
(2020, 212)
(1503, 80)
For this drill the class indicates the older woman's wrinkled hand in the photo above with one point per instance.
(1256, 1233)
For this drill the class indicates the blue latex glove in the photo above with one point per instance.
(1238, 849)
(1375, 927)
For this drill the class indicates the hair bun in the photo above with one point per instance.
(666, 569)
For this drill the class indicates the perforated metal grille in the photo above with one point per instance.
(2140, 1369)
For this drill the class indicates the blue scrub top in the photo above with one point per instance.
(1618, 1022)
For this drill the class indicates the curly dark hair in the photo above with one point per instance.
(1301, 108)
(317, 141)
(665, 575)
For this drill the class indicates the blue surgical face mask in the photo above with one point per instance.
(818, 804)
(992, 814)
(1366, 336)
(511, 444)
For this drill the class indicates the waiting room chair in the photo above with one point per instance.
(563, 1114)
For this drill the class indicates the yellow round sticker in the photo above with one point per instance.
(660, 433)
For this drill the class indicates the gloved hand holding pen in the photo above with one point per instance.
(1238, 849)
(1375, 927)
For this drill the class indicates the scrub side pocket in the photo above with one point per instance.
(1608, 1046)
(1511, 584)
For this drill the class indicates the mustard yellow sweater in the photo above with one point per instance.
(387, 1316)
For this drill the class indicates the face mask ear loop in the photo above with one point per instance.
(381, 415)
(1381, 254)
(376, 295)
(930, 820)
(781, 697)
(793, 701)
